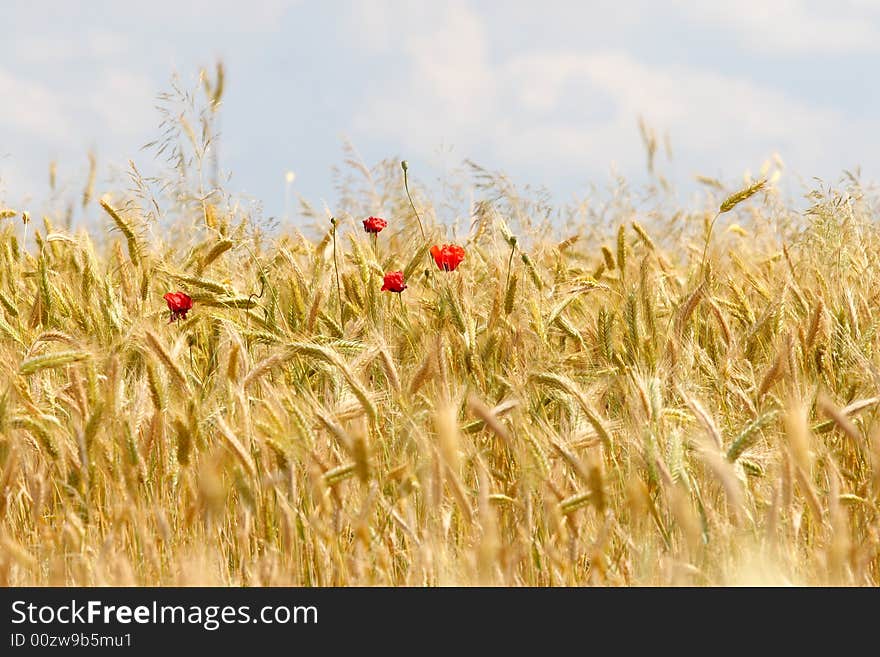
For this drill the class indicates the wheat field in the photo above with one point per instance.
(596, 395)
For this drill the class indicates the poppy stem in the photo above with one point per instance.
(252, 295)
(258, 296)
(405, 167)
(333, 223)
(403, 310)
(509, 262)
(706, 247)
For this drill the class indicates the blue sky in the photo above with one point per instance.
(548, 92)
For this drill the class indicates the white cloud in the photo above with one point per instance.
(580, 108)
(120, 101)
(710, 116)
(61, 48)
(793, 26)
(33, 108)
(450, 89)
(18, 184)
(260, 16)
(536, 89)
(114, 116)
(124, 102)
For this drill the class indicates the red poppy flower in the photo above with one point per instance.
(178, 303)
(393, 282)
(448, 256)
(374, 224)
